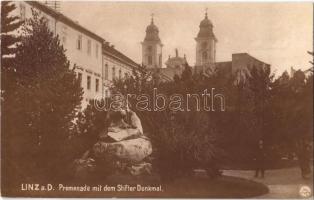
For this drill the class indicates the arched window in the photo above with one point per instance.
(150, 60)
(204, 45)
(204, 56)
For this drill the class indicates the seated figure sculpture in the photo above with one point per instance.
(122, 147)
(124, 143)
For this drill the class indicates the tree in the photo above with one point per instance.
(291, 120)
(259, 82)
(184, 139)
(43, 104)
(9, 24)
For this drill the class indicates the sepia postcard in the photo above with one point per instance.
(157, 99)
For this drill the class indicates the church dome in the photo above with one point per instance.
(152, 28)
(152, 32)
(206, 29)
(206, 22)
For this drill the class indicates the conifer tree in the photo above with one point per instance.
(45, 101)
(9, 24)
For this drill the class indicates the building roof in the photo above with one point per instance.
(114, 53)
(152, 32)
(108, 50)
(250, 56)
(59, 16)
(175, 60)
(206, 29)
(206, 22)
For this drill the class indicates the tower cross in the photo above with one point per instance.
(206, 10)
(152, 15)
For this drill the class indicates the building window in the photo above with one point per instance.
(204, 45)
(97, 85)
(88, 82)
(160, 60)
(96, 50)
(150, 60)
(113, 73)
(106, 93)
(22, 12)
(64, 35)
(149, 49)
(79, 42)
(106, 72)
(204, 56)
(79, 76)
(89, 46)
(120, 74)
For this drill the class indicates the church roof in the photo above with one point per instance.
(206, 29)
(206, 22)
(175, 61)
(152, 33)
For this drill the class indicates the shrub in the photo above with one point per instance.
(182, 141)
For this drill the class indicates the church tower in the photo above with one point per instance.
(205, 44)
(152, 47)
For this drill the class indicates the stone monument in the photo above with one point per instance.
(122, 148)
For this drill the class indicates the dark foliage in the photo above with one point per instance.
(9, 26)
(183, 140)
(90, 123)
(41, 107)
(255, 111)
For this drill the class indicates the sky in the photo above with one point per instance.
(277, 33)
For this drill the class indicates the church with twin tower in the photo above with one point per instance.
(205, 50)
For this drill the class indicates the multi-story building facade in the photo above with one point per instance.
(115, 66)
(95, 61)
